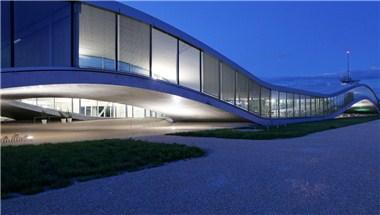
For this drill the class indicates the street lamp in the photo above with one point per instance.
(348, 64)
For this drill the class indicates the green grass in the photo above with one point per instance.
(30, 169)
(289, 131)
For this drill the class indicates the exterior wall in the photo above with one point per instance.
(97, 36)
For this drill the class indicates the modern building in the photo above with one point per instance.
(105, 59)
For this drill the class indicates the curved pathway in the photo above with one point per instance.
(331, 172)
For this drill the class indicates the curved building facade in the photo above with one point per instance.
(105, 59)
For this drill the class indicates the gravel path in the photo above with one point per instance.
(332, 172)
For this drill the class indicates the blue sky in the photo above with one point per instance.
(282, 39)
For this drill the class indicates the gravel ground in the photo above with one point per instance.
(331, 172)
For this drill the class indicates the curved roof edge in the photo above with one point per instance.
(123, 9)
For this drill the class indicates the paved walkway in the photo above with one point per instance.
(55, 132)
(331, 172)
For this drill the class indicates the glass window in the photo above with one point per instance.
(31, 101)
(138, 112)
(297, 105)
(254, 98)
(228, 84)
(76, 105)
(210, 75)
(89, 107)
(129, 111)
(105, 109)
(317, 106)
(324, 106)
(348, 98)
(274, 104)
(42, 34)
(302, 106)
(134, 46)
(307, 106)
(96, 38)
(331, 104)
(189, 66)
(282, 105)
(241, 91)
(63, 104)
(5, 34)
(265, 102)
(164, 56)
(120, 110)
(313, 106)
(289, 105)
(46, 102)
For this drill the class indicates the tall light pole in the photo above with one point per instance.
(348, 64)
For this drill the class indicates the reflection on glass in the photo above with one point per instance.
(302, 106)
(6, 40)
(91, 108)
(265, 102)
(289, 105)
(210, 75)
(297, 105)
(42, 33)
(274, 104)
(189, 66)
(228, 84)
(164, 56)
(282, 105)
(254, 98)
(96, 38)
(241, 91)
(134, 46)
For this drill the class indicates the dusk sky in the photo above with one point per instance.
(282, 39)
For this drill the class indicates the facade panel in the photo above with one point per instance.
(242, 91)
(274, 104)
(289, 105)
(189, 66)
(6, 34)
(228, 84)
(265, 102)
(97, 38)
(210, 75)
(164, 56)
(282, 104)
(254, 98)
(133, 46)
(297, 105)
(42, 34)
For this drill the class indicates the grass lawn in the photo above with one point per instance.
(289, 131)
(33, 168)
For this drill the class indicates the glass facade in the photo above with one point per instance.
(189, 66)
(92, 108)
(302, 106)
(97, 38)
(274, 104)
(74, 34)
(6, 40)
(164, 56)
(210, 75)
(254, 98)
(242, 91)
(282, 104)
(42, 31)
(133, 46)
(297, 105)
(228, 84)
(289, 105)
(265, 102)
